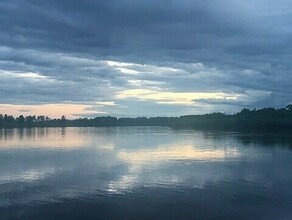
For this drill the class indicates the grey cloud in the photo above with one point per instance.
(221, 101)
(24, 110)
(243, 47)
(64, 78)
(114, 26)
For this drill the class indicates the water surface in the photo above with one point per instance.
(143, 173)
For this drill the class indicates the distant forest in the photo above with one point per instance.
(266, 119)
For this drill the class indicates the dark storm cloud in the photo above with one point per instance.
(240, 47)
(113, 27)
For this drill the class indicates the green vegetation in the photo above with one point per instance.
(266, 119)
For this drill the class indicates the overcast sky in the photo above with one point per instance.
(85, 58)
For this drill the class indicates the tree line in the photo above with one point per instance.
(268, 119)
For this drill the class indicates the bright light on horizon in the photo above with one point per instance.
(71, 111)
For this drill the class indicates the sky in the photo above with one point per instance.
(129, 58)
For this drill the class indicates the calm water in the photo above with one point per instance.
(143, 173)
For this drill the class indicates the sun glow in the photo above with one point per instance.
(51, 110)
(162, 97)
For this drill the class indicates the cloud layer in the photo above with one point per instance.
(189, 57)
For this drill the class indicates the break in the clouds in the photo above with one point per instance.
(144, 57)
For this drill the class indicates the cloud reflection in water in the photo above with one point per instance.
(103, 166)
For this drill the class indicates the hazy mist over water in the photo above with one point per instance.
(143, 173)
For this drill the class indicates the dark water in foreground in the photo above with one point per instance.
(143, 173)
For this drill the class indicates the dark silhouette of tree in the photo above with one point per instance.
(1, 120)
(41, 118)
(266, 119)
(21, 120)
(30, 120)
(289, 107)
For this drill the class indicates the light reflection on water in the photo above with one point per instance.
(186, 152)
(39, 138)
(112, 172)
